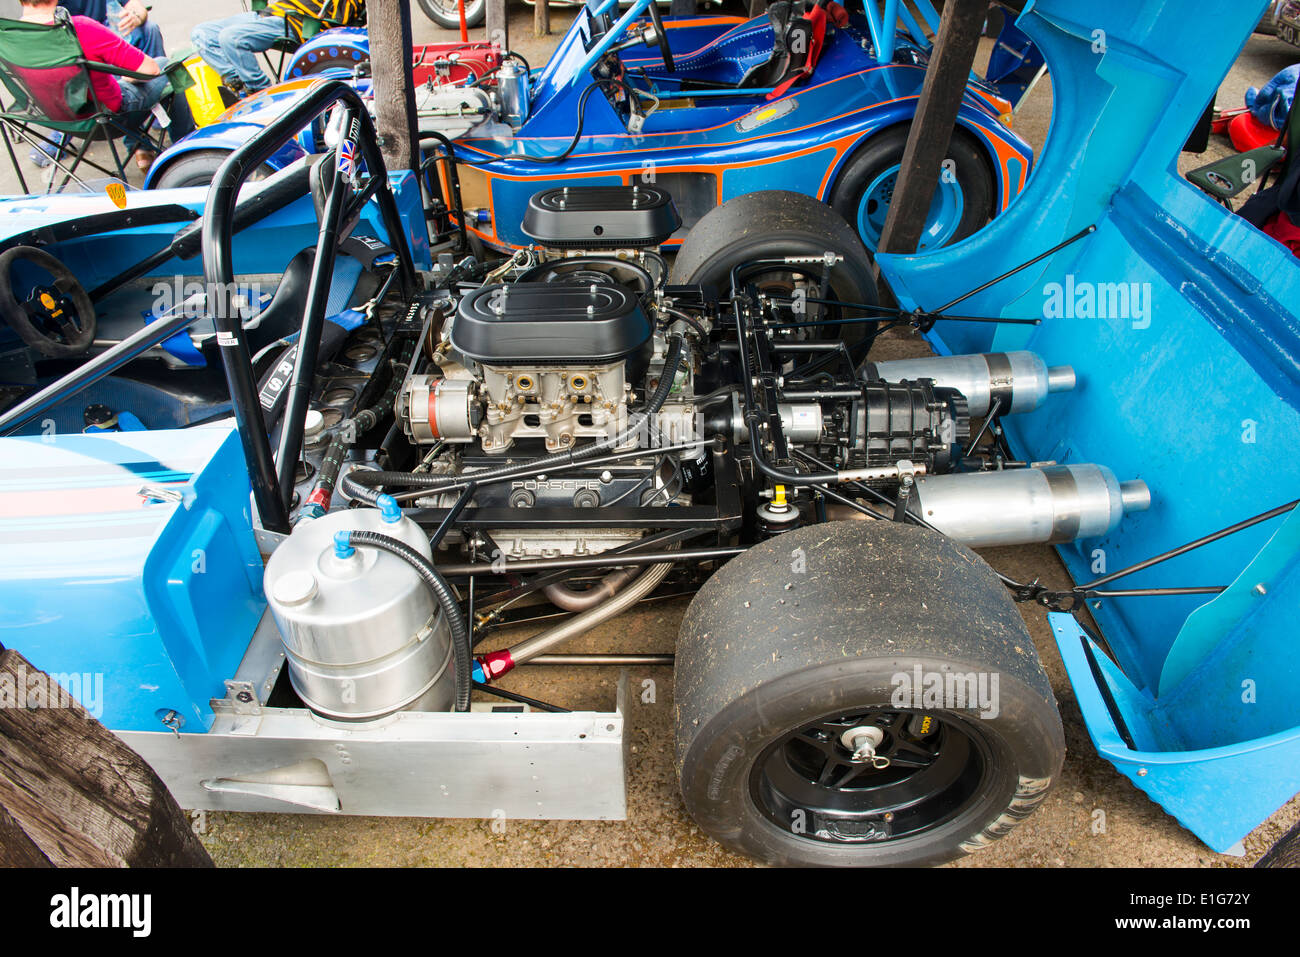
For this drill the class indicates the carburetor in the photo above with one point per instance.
(549, 361)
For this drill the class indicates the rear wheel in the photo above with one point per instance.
(963, 200)
(860, 693)
(446, 13)
(776, 224)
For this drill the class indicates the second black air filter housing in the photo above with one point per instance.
(601, 217)
(549, 324)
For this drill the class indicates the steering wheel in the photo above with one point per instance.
(661, 36)
(57, 319)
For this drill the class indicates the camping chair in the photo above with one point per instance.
(49, 79)
(289, 43)
(1223, 179)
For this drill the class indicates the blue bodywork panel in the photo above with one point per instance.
(158, 597)
(723, 144)
(1183, 324)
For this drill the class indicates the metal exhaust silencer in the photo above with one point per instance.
(1022, 380)
(1051, 505)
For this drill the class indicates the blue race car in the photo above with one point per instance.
(287, 607)
(707, 108)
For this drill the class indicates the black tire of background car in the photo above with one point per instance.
(765, 650)
(198, 169)
(445, 14)
(12, 311)
(774, 224)
(886, 149)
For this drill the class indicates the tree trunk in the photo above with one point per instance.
(16, 848)
(498, 23)
(936, 114)
(72, 793)
(389, 24)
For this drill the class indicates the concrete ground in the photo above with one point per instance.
(1063, 832)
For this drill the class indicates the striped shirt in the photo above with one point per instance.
(331, 13)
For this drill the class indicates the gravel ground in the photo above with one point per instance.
(658, 833)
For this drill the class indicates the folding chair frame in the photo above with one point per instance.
(108, 126)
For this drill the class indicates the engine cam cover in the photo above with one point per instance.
(601, 217)
(540, 324)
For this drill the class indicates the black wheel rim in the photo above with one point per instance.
(809, 783)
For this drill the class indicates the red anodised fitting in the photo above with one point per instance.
(495, 664)
(319, 497)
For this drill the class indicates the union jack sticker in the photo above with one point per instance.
(347, 160)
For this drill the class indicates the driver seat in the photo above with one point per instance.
(797, 41)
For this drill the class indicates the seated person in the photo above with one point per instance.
(230, 46)
(131, 99)
(129, 18)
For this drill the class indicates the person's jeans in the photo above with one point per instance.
(139, 98)
(230, 46)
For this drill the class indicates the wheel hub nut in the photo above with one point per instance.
(863, 741)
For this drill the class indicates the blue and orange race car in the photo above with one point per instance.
(814, 100)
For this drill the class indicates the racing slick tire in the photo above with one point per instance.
(832, 637)
(774, 224)
(198, 169)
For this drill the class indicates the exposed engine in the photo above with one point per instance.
(576, 354)
(573, 414)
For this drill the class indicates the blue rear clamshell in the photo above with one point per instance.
(1181, 321)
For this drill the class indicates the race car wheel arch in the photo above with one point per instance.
(804, 730)
(965, 199)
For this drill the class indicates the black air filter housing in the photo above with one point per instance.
(549, 324)
(601, 217)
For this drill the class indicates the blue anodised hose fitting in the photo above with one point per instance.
(343, 544)
(389, 510)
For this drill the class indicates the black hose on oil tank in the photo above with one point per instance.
(358, 492)
(461, 651)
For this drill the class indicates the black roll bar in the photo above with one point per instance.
(271, 493)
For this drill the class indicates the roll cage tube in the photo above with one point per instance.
(218, 272)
